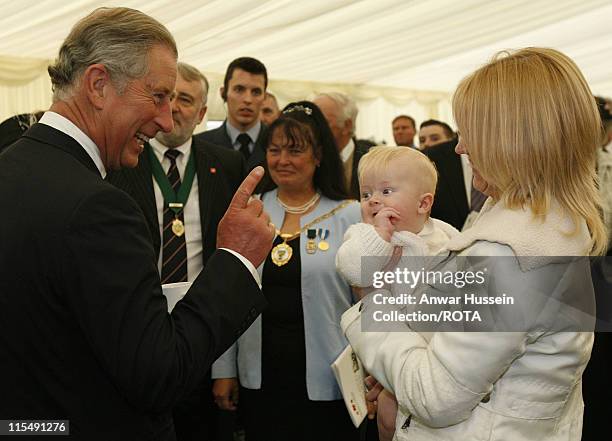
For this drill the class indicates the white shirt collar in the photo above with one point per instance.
(66, 126)
(233, 132)
(161, 149)
(467, 177)
(347, 151)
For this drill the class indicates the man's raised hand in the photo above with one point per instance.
(245, 227)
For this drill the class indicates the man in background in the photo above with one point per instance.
(404, 129)
(340, 111)
(182, 253)
(269, 109)
(433, 132)
(243, 90)
(85, 331)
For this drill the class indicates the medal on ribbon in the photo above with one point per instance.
(176, 201)
(311, 246)
(323, 234)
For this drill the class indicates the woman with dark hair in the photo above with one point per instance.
(288, 390)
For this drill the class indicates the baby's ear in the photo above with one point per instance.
(425, 203)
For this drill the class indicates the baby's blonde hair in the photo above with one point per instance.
(380, 157)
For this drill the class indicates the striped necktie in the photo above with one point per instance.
(174, 248)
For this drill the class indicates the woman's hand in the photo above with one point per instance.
(386, 415)
(384, 404)
(225, 391)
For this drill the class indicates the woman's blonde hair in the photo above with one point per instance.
(531, 127)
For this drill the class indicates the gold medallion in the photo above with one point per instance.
(323, 245)
(178, 228)
(281, 254)
(311, 246)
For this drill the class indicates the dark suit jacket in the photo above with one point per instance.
(219, 170)
(450, 202)
(361, 148)
(220, 137)
(84, 328)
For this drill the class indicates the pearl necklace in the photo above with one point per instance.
(302, 208)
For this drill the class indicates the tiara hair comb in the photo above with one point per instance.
(299, 108)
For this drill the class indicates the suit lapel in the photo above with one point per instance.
(258, 156)
(48, 135)
(221, 137)
(206, 170)
(141, 181)
(455, 178)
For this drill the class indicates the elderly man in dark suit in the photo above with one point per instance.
(341, 114)
(244, 89)
(84, 327)
(182, 253)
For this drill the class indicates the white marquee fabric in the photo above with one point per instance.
(392, 56)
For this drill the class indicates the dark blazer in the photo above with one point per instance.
(219, 170)
(220, 137)
(450, 201)
(361, 148)
(84, 328)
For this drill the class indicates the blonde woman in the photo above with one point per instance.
(530, 126)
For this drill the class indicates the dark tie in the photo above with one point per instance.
(174, 249)
(477, 199)
(244, 140)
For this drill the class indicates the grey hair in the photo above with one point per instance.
(118, 38)
(348, 108)
(190, 73)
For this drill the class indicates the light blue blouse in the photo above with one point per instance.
(325, 296)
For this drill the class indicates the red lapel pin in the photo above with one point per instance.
(213, 170)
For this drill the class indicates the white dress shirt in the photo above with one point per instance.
(233, 133)
(467, 177)
(347, 151)
(191, 210)
(191, 213)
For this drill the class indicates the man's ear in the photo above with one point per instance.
(201, 113)
(348, 125)
(223, 94)
(96, 81)
(425, 203)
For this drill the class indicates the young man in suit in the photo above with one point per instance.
(450, 201)
(84, 327)
(244, 89)
(218, 173)
(433, 132)
(340, 111)
(456, 201)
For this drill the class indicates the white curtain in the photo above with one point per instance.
(377, 105)
(25, 87)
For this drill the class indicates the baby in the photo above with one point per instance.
(397, 186)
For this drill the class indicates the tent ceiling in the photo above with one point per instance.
(411, 44)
